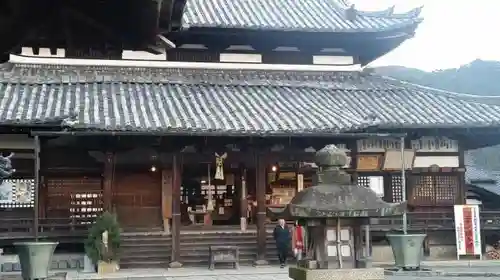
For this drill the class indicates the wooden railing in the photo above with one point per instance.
(13, 228)
(490, 220)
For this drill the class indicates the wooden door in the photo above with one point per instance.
(137, 200)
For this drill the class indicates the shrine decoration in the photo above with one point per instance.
(219, 166)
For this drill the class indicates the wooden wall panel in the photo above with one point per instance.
(137, 199)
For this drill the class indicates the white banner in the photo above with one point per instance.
(467, 230)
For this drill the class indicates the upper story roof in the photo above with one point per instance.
(293, 15)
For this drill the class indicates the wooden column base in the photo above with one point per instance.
(176, 242)
(166, 226)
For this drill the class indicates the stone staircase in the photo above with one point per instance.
(145, 250)
(194, 246)
(154, 249)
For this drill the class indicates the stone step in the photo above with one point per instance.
(144, 264)
(217, 237)
(135, 239)
(144, 258)
(147, 252)
(207, 243)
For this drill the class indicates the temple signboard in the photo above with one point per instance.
(467, 230)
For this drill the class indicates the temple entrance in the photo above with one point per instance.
(209, 197)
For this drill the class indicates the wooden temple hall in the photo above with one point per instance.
(210, 135)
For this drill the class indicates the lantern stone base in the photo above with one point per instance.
(299, 273)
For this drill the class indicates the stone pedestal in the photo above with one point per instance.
(299, 273)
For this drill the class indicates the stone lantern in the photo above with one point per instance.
(336, 217)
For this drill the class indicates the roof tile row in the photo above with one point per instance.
(243, 102)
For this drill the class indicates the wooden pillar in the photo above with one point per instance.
(462, 188)
(260, 181)
(43, 198)
(176, 212)
(166, 198)
(243, 199)
(353, 146)
(368, 246)
(36, 208)
(107, 192)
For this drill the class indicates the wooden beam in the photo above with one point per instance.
(176, 211)
(260, 173)
(242, 174)
(166, 198)
(37, 188)
(462, 189)
(107, 193)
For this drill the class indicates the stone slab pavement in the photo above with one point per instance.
(449, 270)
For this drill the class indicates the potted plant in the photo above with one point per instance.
(103, 243)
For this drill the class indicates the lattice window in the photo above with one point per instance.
(397, 188)
(435, 190)
(86, 205)
(17, 193)
(423, 192)
(364, 181)
(74, 198)
(446, 189)
(376, 183)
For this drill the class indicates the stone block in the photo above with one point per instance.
(298, 273)
(16, 267)
(62, 264)
(175, 265)
(260, 263)
(7, 267)
(54, 265)
(73, 264)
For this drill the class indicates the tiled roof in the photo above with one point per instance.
(243, 102)
(480, 177)
(301, 15)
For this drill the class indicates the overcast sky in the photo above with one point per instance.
(454, 32)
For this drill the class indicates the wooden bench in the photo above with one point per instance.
(223, 254)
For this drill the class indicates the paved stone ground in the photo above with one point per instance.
(475, 269)
(252, 277)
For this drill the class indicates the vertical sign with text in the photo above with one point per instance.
(467, 230)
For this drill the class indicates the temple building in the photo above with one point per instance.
(208, 136)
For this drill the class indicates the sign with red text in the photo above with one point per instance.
(467, 230)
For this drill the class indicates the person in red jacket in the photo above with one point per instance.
(298, 241)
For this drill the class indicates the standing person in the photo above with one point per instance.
(298, 241)
(281, 235)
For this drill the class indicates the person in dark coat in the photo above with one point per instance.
(282, 237)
